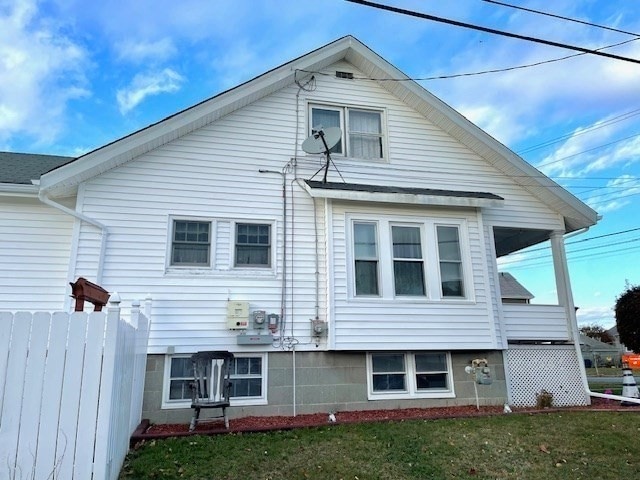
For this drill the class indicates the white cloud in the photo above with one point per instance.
(602, 316)
(41, 70)
(139, 51)
(145, 85)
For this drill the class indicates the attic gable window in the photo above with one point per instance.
(362, 130)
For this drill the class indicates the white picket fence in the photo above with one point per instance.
(71, 388)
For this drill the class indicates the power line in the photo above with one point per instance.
(456, 23)
(588, 239)
(536, 257)
(588, 150)
(562, 18)
(611, 121)
(471, 74)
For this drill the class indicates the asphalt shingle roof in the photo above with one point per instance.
(21, 168)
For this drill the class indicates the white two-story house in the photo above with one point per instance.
(368, 281)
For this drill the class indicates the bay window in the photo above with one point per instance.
(408, 258)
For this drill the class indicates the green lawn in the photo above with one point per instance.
(568, 445)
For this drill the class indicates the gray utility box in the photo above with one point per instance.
(254, 339)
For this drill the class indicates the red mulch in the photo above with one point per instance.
(260, 424)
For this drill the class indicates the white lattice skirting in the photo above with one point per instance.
(554, 368)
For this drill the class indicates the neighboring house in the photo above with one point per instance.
(373, 290)
(513, 291)
(622, 348)
(597, 353)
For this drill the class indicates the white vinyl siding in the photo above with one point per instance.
(35, 248)
(213, 173)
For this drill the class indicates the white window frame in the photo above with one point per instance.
(272, 249)
(235, 401)
(217, 266)
(431, 262)
(423, 259)
(377, 259)
(344, 110)
(410, 381)
(184, 266)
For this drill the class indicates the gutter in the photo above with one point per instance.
(42, 196)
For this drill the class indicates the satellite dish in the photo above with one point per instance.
(322, 140)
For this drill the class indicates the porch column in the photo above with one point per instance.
(563, 283)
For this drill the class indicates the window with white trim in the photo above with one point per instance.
(362, 129)
(409, 258)
(191, 243)
(451, 277)
(248, 380)
(409, 375)
(365, 258)
(220, 246)
(408, 264)
(253, 245)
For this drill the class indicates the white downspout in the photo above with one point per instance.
(42, 196)
(564, 290)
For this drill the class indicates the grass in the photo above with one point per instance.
(567, 445)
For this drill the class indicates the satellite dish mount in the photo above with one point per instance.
(322, 141)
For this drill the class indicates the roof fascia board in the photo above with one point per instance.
(402, 198)
(120, 151)
(467, 132)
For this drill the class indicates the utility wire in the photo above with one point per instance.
(596, 247)
(562, 18)
(606, 123)
(582, 240)
(456, 23)
(588, 150)
(471, 74)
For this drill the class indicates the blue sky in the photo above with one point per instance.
(75, 75)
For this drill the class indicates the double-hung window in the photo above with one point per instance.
(408, 265)
(191, 245)
(409, 258)
(409, 375)
(366, 258)
(362, 130)
(451, 275)
(253, 245)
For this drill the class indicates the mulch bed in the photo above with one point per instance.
(146, 431)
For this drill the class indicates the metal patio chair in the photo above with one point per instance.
(211, 385)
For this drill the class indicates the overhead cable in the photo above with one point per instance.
(596, 126)
(456, 23)
(547, 14)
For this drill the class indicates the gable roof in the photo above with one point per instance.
(512, 289)
(66, 178)
(21, 168)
